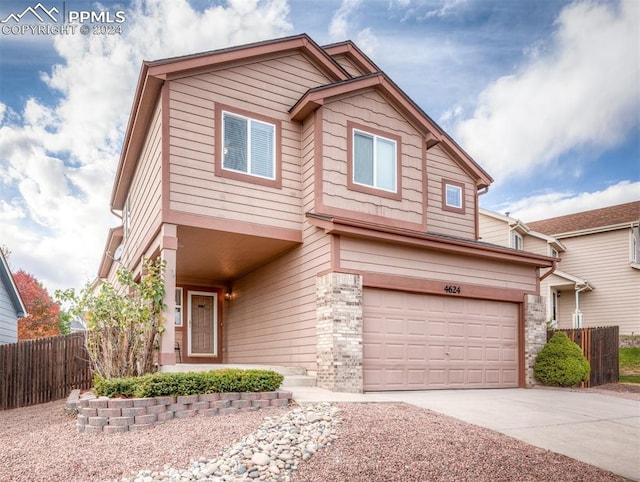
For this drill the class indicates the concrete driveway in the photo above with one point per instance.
(598, 429)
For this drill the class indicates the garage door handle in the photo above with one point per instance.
(446, 353)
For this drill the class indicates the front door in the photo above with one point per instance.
(203, 324)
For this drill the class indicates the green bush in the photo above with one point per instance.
(191, 383)
(114, 387)
(561, 363)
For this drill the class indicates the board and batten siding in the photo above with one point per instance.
(272, 318)
(390, 259)
(603, 260)
(370, 109)
(440, 166)
(145, 194)
(8, 317)
(267, 88)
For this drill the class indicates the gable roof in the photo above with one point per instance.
(154, 74)
(12, 290)
(596, 220)
(523, 228)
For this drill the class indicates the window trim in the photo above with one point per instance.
(515, 235)
(179, 306)
(448, 207)
(352, 127)
(220, 171)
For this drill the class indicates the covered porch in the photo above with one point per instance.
(565, 298)
(202, 265)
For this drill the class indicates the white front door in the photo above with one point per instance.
(203, 323)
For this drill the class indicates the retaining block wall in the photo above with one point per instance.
(112, 415)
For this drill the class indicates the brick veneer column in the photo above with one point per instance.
(339, 329)
(535, 334)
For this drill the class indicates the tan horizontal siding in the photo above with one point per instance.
(347, 65)
(441, 166)
(145, 196)
(273, 317)
(268, 87)
(397, 260)
(370, 109)
(603, 260)
(535, 245)
(493, 230)
(308, 164)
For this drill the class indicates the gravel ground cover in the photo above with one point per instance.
(375, 442)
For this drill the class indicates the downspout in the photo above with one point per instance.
(550, 272)
(479, 192)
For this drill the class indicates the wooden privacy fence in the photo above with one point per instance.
(600, 347)
(42, 370)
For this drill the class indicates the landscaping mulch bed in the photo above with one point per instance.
(376, 441)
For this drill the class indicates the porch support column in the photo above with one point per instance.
(535, 334)
(339, 330)
(168, 249)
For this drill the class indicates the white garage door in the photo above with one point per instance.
(417, 342)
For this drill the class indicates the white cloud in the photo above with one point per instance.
(547, 205)
(341, 28)
(583, 92)
(57, 161)
(445, 8)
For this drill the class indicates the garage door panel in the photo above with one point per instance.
(414, 342)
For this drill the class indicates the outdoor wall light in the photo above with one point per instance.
(229, 295)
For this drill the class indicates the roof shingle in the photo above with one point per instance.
(597, 218)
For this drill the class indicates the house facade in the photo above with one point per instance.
(11, 305)
(312, 215)
(597, 282)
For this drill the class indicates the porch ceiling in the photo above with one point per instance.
(205, 254)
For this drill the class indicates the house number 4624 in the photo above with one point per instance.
(452, 289)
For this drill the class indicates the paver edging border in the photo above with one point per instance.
(114, 415)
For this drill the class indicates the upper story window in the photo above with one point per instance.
(516, 241)
(453, 196)
(249, 146)
(373, 161)
(553, 252)
(635, 245)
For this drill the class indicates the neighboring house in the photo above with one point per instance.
(11, 305)
(602, 255)
(596, 281)
(311, 214)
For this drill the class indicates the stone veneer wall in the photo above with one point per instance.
(339, 330)
(112, 415)
(535, 334)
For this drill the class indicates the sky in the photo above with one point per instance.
(543, 94)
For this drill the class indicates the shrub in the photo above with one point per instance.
(561, 363)
(191, 383)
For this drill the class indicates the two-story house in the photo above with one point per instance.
(312, 215)
(602, 251)
(11, 304)
(597, 277)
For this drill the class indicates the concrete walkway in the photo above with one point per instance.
(598, 429)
